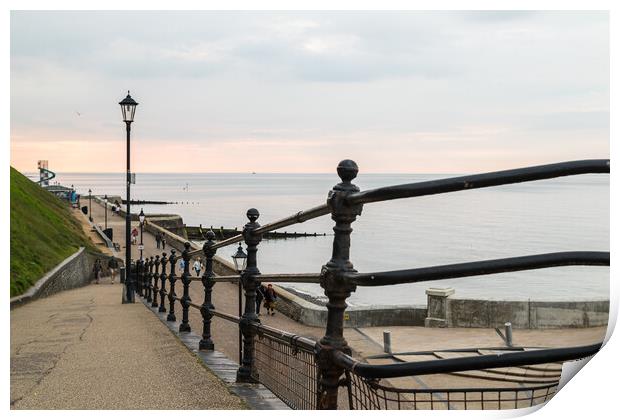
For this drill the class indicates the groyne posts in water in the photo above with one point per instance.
(206, 343)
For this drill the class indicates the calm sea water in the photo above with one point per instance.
(568, 214)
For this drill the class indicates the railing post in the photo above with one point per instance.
(150, 280)
(149, 273)
(154, 304)
(207, 281)
(139, 277)
(336, 287)
(246, 372)
(172, 279)
(142, 278)
(162, 287)
(185, 300)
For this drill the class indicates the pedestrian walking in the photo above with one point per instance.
(197, 267)
(182, 265)
(113, 267)
(158, 239)
(163, 241)
(134, 236)
(270, 300)
(260, 296)
(97, 270)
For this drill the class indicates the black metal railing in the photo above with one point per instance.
(308, 375)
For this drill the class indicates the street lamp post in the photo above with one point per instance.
(90, 214)
(105, 201)
(128, 108)
(240, 259)
(141, 216)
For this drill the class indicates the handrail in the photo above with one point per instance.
(298, 217)
(292, 339)
(460, 364)
(450, 271)
(271, 278)
(489, 179)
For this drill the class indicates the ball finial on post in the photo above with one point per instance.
(252, 215)
(347, 170)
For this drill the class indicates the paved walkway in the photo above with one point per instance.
(104, 355)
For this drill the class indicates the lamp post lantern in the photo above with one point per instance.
(240, 259)
(128, 108)
(105, 202)
(141, 217)
(90, 214)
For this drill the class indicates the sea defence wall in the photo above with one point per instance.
(443, 308)
(447, 310)
(75, 271)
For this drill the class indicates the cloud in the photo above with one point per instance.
(432, 80)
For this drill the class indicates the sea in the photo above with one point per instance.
(563, 214)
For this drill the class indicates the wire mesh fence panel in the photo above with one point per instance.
(289, 371)
(371, 394)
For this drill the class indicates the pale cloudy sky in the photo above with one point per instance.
(297, 92)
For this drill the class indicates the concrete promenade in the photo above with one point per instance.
(83, 349)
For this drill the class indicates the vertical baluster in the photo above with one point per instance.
(172, 280)
(162, 286)
(185, 300)
(142, 278)
(149, 279)
(336, 287)
(207, 281)
(154, 304)
(247, 368)
(139, 278)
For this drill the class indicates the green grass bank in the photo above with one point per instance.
(43, 232)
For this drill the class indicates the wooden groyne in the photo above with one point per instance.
(199, 233)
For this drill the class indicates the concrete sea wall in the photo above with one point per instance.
(447, 310)
(75, 271)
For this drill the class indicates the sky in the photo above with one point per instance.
(398, 92)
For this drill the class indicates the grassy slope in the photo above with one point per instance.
(43, 232)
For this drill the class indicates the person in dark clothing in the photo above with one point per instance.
(260, 295)
(97, 270)
(270, 300)
(163, 241)
(113, 267)
(158, 239)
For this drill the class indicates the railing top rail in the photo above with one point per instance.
(306, 343)
(478, 268)
(298, 217)
(489, 179)
(460, 364)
